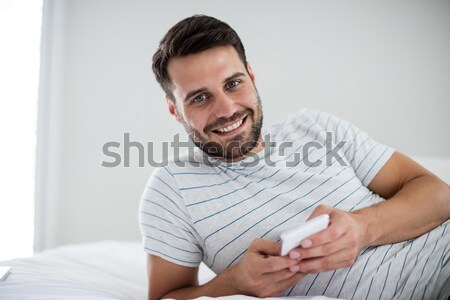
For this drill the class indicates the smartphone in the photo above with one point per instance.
(4, 271)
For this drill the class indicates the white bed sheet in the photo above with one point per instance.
(91, 271)
(101, 270)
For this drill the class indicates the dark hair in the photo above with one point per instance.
(189, 36)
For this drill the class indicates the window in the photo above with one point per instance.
(20, 36)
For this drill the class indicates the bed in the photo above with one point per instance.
(107, 269)
(90, 271)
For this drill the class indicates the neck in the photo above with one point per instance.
(258, 148)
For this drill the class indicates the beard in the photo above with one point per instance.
(236, 146)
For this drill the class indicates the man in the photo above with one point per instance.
(228, 202)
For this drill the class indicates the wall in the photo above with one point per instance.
(382, 65)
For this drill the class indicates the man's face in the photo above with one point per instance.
(217, 102)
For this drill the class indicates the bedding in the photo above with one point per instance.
(90, 271)
(109, 269)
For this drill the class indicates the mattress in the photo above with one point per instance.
(88, 271)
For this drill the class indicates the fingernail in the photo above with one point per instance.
(294, 255)
(306, 243)
(294, 268)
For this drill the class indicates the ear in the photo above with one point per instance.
(173, 109)
(250, 72)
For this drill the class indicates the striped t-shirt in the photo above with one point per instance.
(211, 211)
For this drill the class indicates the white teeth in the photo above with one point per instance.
(231, 127)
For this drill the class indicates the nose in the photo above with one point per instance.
(224, 106)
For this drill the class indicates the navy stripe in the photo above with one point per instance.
(164, 195)
(262, 205)
(403, 266)
(417, 256)
(211, 185)
(263, 220)
(167, 185)
(347, 130)
(366, 196)
(244, 200)
(328, 121)
(425, 265)
(215, 198)
(165, 168)
(174, 258)
(295, 151)
(158, 217)
(440, 261)
(196, 173)
(306, 208)
(356, 151)
(366, 156)
(317, 117)
(382, 154)
(269, 176)
(385, 279)
(445, 249)
(290, 291)
(353, 143)
(293, 201)
(389, 267)
(312, 283)
(172, 246)
(335, 205)
(170, 212)
(349, 270)
(336, 129)
(381, 263)
(169, 233)
(364, 269)
(229, 180)
(329, 281)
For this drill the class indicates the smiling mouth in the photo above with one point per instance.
(231, 127)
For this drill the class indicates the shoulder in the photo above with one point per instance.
(306, 120)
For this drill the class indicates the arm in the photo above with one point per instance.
(260, 272)
(417, 201)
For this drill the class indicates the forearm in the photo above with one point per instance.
(218, 286)
(261, 272)
(419, 206)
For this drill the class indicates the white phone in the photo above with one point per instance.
(292, 238)
(4, 271)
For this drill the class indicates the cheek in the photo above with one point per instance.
(196, 122)
(249, 98)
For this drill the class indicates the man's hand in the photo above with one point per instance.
(262, 272)
(336, 246)
(416, 202)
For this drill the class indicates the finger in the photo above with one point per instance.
(291, 281)
(276, 289)
(323, 243)
(275, 263)
(340, 259)
(278, 276)
(320, 210)
(266, 247)
(330, 234)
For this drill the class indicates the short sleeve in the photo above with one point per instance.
(166, 228)
(362, 153)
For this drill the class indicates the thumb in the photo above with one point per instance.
(266, 247)
(320, 210)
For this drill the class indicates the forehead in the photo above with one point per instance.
(204, 68)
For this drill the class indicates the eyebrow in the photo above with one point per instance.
(203, 89)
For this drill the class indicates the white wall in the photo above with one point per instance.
(383, 65)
